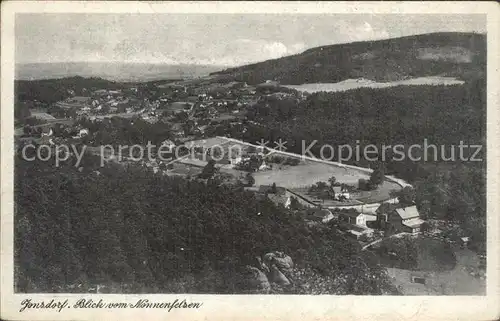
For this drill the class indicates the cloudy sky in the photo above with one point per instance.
(219, 39)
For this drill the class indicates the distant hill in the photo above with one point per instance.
(461, 55)
(112, 71)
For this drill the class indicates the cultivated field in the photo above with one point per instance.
(382, 193)
(300, 177)
(361, 83)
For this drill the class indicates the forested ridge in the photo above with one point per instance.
(462, 55)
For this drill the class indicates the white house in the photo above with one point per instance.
(353, 217)
(341, 193)
(83, 132)
(168, 143)
(47, 132)
(235, 160)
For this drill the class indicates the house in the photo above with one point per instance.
(168, 143)
(177, 130)
(355, 223)
(352, 217)
(396, 218)
(464, 241)
(371, 220)
(81, 133)
(341, 193)
(264, 166)
(235, 160)
(47, 131)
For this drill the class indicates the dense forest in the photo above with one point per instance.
(130, 230)
(460, 55)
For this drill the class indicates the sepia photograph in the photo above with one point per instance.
(323, 154)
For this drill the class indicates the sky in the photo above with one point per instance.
(210, 39)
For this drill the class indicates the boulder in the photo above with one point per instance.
(283, 261)
(262, 265)
(256, 280)
(278, 277)
(280, 259)
(268, 258)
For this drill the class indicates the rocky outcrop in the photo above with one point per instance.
(256, 280)
(273, 268)
(278, 277)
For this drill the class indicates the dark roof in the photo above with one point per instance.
(408, 212)
(403, 212)
(350, 213)
(387, 208)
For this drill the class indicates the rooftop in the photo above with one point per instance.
(414, 222)
(350, 213)
(408, 212)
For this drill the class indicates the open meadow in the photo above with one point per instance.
(350, 84)
(306, 174)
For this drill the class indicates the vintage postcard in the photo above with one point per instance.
(250, 160)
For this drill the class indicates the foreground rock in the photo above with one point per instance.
(256, 281)
(272, 272)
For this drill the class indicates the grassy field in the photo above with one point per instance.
(299, 178)
(304, 175)
(382, 193)
(361, 83)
